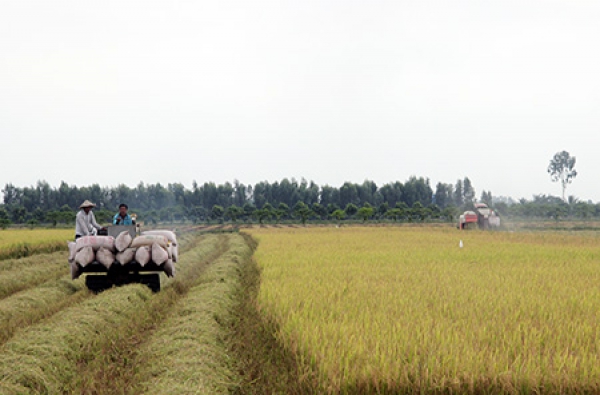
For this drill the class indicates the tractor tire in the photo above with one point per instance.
(151, 280)
(98, 284)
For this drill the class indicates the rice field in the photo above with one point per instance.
(18, 243)
(406, 310)
(351, 310)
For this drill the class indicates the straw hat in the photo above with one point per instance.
(87, 203)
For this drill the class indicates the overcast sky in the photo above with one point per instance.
(122, 91)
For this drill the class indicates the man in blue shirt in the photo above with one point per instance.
(122, 218)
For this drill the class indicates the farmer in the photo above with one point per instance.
(122, 217)
(85, 221)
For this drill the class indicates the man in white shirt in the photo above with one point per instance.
(85, 221)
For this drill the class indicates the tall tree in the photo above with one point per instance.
(562, 168)
(468, 191)
(443, 194)
(458, 194)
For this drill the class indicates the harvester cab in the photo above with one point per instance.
(483, 216)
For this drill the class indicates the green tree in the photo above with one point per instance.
(319, 210)
(262, 215)
(38, 214)
(103, 216)
(18, 214)
(450, 213)
(351, 209)
(559, 211)
(394, 213)
(434, 211)
(284, 208)
(217, 213)
(4, 219)
(338, 215)
(403, 210)
(196, 213)
(278, 213)
(365, 213)
(152, 217)
(584, 210)
(468, 191)
(383, 208)
(562, 168)
(458, 194)
(418, 211)
(302, 211)
(234, 212)
(67, 215)
(249, 210)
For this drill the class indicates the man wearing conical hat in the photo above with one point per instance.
(85, 221)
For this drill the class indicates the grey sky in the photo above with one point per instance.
(117, 92)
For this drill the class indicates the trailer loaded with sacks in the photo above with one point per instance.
(124, 257)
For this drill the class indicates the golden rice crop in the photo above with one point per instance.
(400, 310)
(18, 243)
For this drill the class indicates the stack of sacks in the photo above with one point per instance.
(125, 253)
(72, 252)
(171, 237)
(89, 248)
(155, 248)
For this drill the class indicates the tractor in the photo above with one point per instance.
(98, 278)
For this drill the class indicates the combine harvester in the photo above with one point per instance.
(123, 257)
(484, 217)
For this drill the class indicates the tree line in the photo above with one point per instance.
(288, 199)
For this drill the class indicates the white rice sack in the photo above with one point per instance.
(175, 253)
(148, 240)
(74, 269)
(72, 251)
(96, 242)
(169, 268)
(167, 233)
(170, 251)
(85, 256)
(159, 254)
(142, 255)
(124, 257)
(123, 241)
(105, 257)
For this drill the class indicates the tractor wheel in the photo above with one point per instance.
(151, 280)
(98, 283)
